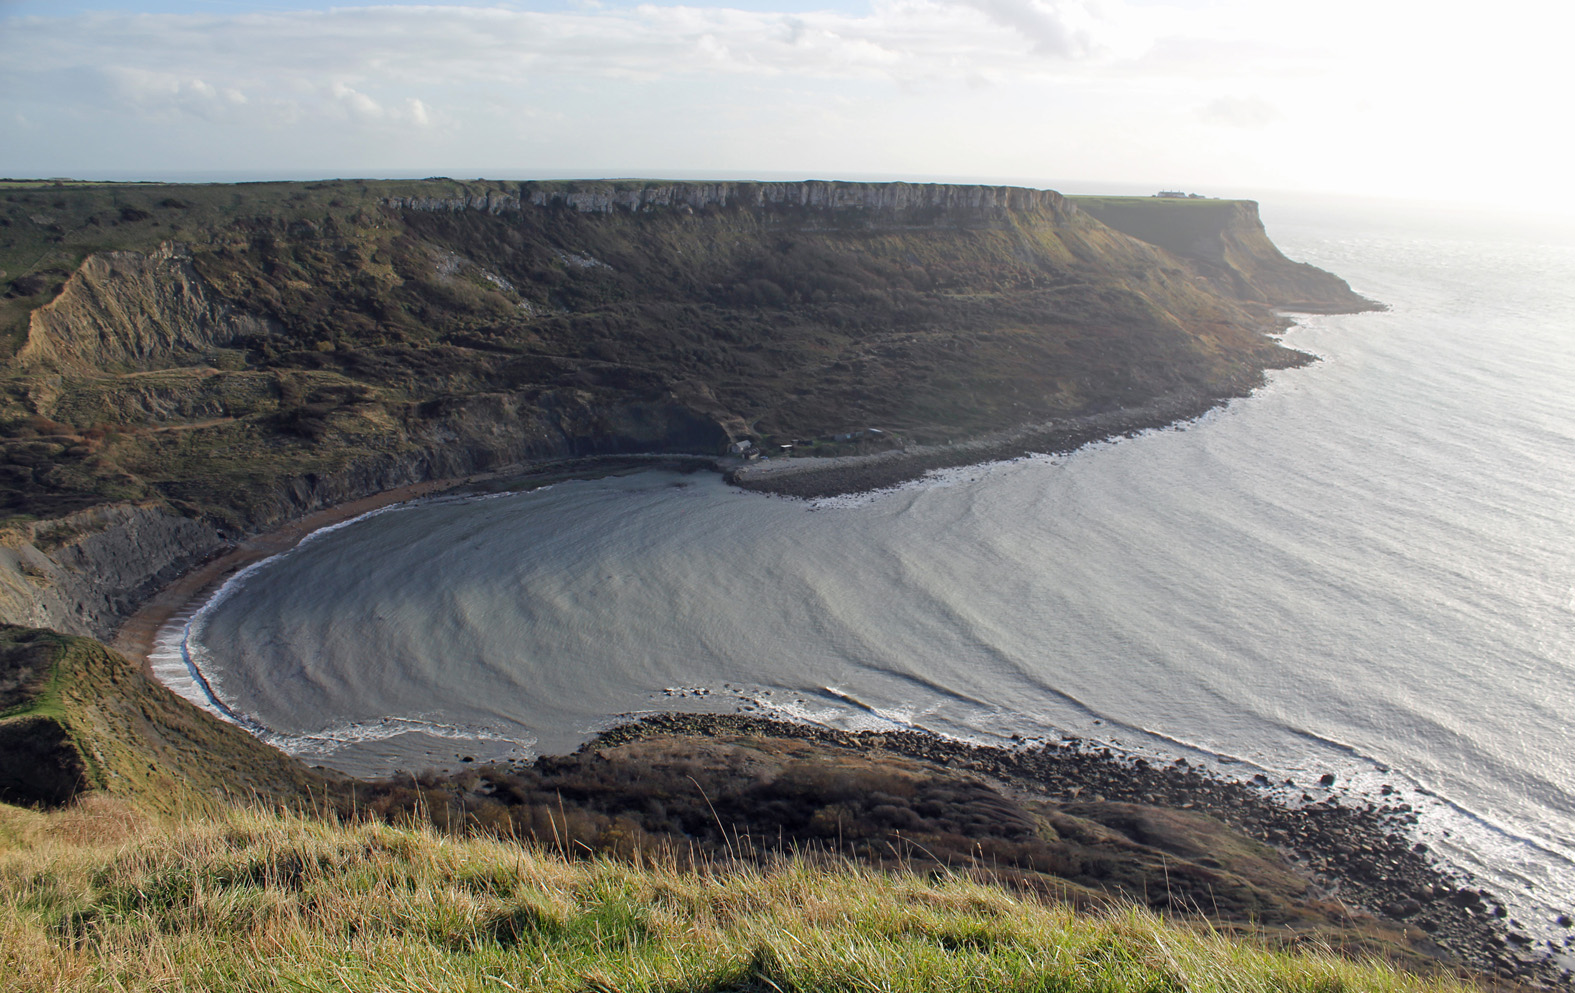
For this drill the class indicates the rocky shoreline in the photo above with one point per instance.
(1351, 850)
(819, 478)
(1357, 853)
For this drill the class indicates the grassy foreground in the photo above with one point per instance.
(100, 896)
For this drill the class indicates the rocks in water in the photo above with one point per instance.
(1358, 849)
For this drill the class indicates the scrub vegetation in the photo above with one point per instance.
(204, 346)
(102, 896)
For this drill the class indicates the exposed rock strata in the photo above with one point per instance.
(604, 198)
(128, 310)
(87, 572)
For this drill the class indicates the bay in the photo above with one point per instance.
(1367, 568)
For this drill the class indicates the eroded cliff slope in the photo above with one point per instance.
(1225, 240)
(186, 365)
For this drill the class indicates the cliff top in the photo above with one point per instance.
(252, 900)
(76, 716)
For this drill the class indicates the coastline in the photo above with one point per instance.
(1361, 851)
(818, 478)
(801, 478)
(135, 635)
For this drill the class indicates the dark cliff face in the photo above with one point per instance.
(236, 356)
(849, 202)
(1225, 240)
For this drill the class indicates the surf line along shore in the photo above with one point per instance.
(136, 635)
(806, 478)
(1461, 928)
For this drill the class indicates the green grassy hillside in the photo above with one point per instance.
(102, 897)
(77, 717)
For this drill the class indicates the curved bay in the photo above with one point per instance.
(1366, 568)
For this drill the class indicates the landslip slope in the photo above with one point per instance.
(187, 365)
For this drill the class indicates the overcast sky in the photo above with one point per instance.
(1425, 100)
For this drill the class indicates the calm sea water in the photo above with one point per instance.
(1367, 568)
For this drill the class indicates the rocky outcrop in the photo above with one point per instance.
(887, 198)
(84, 573)
(126, 310)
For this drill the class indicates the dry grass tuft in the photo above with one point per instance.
(98, 897)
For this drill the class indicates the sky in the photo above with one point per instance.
(1429, 101)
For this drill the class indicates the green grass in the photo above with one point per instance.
(133, 737)
(98, 896)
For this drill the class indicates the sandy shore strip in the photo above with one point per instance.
(135, 636)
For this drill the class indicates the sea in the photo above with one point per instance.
(1366, 568)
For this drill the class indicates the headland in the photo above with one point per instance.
(200, 375)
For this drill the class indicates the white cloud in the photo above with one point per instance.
(448, 44)
(1069, 29)
(355, 103)
(159, 93)
(1129, 89)
(1251, 113)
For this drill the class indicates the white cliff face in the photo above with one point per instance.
(896, 198)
